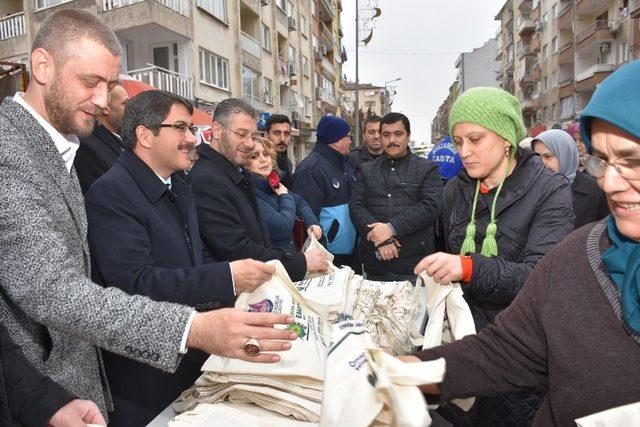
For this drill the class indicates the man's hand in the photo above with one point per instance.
(427, 388)
(444, 268)
(77, 413)
(224, 332)
(315, 230)
(388, 252)
(316, 261)
(248, 274)
(380, 232)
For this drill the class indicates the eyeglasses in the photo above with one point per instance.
(244, 134)
(180, 127)
(627, 167)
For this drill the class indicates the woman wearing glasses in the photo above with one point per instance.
(502, 213)
(559, 153)
(576, 324)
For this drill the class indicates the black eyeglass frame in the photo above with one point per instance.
(181, 127)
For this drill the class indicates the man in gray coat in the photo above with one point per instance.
(48, 302)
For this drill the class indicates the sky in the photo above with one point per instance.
(419, 41)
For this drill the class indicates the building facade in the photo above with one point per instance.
(276, 54)
(374, 100)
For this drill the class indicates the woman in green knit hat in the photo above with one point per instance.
(502, 213)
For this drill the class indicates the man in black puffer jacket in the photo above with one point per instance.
(395, 205)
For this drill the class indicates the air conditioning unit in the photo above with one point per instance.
(323, 49)
(293, 69)
(539, 25)
(292, 23)
(614, 26)
(264, 2)
(295, 116)
(318, 93)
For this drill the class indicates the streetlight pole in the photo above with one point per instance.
(357, 85)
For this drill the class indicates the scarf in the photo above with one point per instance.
(623, 265)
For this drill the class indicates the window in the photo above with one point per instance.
(545, 53)
(554, 111)
(545, 17)
(266, 37)
(545, 86)
(327, 85)
(305, 66)
(314, 43)
(554, 79)
(623, 52)
(214, 70)
(545, 114)
(217, 8)
(292, 55)
(41, 4)
(307, 106)
(554, 45)
(303, 25)
(554, 11)
(268, 91)
(290, 11)
(314, 8)
(370, 105)
(250, 83)
(282, 4)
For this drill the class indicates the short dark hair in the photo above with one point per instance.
(274, 119)
(371, 119)
(61, 30)
(148, 109)
(230, 106)
(391, 118)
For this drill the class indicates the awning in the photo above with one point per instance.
(134, 87)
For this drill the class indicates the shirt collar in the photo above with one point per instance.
(166, 182)
(67, 145)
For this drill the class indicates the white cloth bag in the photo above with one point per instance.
(312, 243)
(627, 415)
(450, 319)
(364, 385)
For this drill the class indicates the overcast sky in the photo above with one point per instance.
(418, 40)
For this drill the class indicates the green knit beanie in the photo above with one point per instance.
(500, 112)
(491, 108)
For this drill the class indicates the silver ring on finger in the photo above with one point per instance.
(252, 347)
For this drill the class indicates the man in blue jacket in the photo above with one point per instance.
(144, 239)
(325, 179)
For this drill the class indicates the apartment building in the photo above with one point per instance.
(565, 48)
(374, 100)
(273, 53)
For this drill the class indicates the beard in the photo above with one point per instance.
(62, 115)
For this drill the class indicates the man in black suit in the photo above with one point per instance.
(144, 239)
(100, 150)
(230, 221)
(278, 130)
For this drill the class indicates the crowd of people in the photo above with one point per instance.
(122, 258)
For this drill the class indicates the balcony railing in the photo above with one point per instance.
(328, 66)
(251, 45)
(180, 6)
(164, 79)
(12, 26)
(327, 34)
(596, 25)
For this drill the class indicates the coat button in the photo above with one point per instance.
(393, 169)
(389, 195)
(155, 357)
(128, 349)
(145, 354)
(137, 353)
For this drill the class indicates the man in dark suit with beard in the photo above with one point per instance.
(100, 150)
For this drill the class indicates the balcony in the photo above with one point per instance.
(525, 25)
(565, 88)
(593, 36)
(528, 104)
(499, 55)
(524, 5)
(180, 6)
(565, 53)
(565, 16)
(589, 7)
(525, 50)
(509, 65)
(535, 43)
(283, 71)
(12, 26)
(326, 35)
(634, 8)
(130, 14)
(253, 5)
(326, 10)
(327, 68)
(535, 15)
(591, 77)
(163, 79)
(250, 45)
(326, 96)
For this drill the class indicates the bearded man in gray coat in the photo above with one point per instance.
(48, 301)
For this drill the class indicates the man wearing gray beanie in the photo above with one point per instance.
(325, 179)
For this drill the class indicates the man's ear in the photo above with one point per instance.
(43, 68)
(144, 137)
(216, 131)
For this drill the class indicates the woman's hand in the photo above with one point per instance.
(442, 267)
(314, 230)
(280, 190)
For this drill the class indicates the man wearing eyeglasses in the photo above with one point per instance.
(144, 239)
(231, 225)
